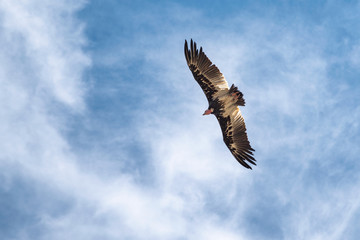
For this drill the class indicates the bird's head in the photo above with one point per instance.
(208, 111)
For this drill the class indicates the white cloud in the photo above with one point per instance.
(49, 39)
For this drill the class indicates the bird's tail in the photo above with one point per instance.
(236, 93)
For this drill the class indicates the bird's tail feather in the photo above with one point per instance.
(240, 96)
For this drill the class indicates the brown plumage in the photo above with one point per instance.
(223, 103)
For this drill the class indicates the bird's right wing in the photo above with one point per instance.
(210, 79)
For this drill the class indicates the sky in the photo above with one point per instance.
(102, 134)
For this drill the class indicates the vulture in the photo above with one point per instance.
(223, 103)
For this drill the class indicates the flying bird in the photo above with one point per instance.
(223, 103)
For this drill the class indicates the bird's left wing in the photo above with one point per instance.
(235, 137)
(210, 79)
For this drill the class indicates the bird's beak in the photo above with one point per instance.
(207, 112)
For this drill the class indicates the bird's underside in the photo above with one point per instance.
(223, 103)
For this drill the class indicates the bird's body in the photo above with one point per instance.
(223, 103)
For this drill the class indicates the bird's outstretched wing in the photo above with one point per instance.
(235, 136)
(210, 79)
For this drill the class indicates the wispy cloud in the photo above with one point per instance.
(49, 39)
(41, 80)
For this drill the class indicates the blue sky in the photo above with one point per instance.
(102, 133)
